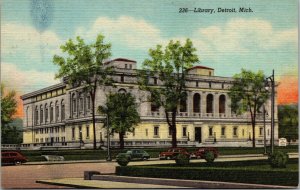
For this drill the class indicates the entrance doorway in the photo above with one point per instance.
(198, 134)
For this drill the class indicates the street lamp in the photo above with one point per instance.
(271, 79)
(265, 144)
(108, 140)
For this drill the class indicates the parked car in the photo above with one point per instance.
(172, 153)
(12, 157)
(201, 152)
(135, 154)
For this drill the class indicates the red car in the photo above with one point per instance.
(172, 153)
(12, 157)
(201, 152)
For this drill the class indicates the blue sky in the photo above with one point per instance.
(33, 30)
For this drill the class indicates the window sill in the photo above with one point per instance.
(156, 136)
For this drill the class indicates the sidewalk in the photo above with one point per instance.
(118, 182)
(251, 156)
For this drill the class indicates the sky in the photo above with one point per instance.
(266, 38)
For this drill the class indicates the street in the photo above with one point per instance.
(24, 176)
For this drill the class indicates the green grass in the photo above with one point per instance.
(256, 171)
(35, 155)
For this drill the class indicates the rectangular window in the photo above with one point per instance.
(122, 78)
(125, 66)
(80, 132)
(170, 131)
(209, 84)
(146, 132)
(130, 66)
(234, 131)
(154, 80)
(197, 84)
(210, 131)
(42, 140)
(223, 131)
(89, 102)
(260, 131)
(73, 133)
(156, 130)
(87, 132)
(133, 132)
(184, 131)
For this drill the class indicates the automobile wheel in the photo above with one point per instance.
(168, 158)
(18, 163)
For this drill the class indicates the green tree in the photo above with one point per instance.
(121, 110)
(10, 133)
(170, 66)
(84, 65)
(288, 122)
(248, 94)
(8, 105)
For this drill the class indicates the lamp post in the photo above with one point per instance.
(265, 145)
(108, 140)
(271, 79)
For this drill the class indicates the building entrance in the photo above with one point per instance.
(198, 134)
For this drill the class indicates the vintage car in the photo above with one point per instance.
(12, 157)
(172, 153)
(201, 152)
(135, 154)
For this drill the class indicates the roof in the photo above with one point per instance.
(200, 67)
(43, 90)
(120, 59)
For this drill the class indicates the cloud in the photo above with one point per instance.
(25, 81)
(132, 32)
(243, 36)
(27, 42)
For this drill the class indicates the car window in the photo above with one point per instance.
(5, 154)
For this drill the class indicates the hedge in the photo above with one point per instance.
(225, 174)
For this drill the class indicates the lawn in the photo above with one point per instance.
(256, 171)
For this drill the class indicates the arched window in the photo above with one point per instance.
(122, 91)
(196, 103)
(222, 103)
(41, 114)
(56, 111)
(46, 113)
(154, 107)
(88, 102)
(36, 116)
(62, 117)
(209, 103)
(80, 102)
(74, 102)
(183, 106)
(51, 112)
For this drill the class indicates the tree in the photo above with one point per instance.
(84, 65)
(11, 134)
(8, 105)
(170, 66)
(121, 110)
(248, 94)
(288, 122)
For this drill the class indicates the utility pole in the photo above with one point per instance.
(272, 80)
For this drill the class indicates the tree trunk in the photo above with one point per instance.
(253, 133)
(121, 138)
(174, 131)
(93, 96)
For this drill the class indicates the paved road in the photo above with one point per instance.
(24, 176)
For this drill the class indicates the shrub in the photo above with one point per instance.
(122, 160)
(278, 159)
(209, 156)
(182, 160)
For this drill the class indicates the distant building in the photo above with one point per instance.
(61, 116)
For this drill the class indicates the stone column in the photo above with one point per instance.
(216, 104)
(203, 103)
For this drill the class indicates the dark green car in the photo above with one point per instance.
(135, 154)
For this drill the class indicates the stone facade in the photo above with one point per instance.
(61, 116)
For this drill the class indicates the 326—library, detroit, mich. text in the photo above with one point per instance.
(216, 10)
